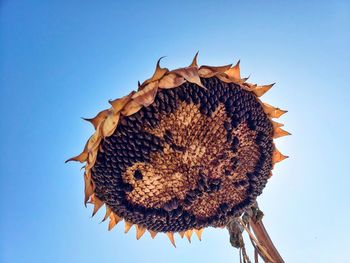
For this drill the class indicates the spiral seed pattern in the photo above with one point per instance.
(194, 158)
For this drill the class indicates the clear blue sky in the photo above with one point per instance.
(62, 60)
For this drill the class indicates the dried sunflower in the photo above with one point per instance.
(192, 148)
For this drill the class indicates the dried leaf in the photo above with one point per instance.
(128, 225)
(188, 234)
(89, 189)
(118, 104)
(279, 132)
(153, 233)
(199, 233)
(139, 231)
(171, 238)
(131, 108)
(79, 158)
(110, 124)
(146, 96)
(278, 156)
(97, 204)
(209, 71)
(194, 61)
(272, 111)
(95, 121)
(171, 80)
(234, 72)
(261, 90)
(190, 74)
(157, 75)
(107, 214)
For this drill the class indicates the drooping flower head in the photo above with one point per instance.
(192, 148)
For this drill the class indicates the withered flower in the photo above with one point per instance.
(192, 148)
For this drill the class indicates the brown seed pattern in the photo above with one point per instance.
(193, 158)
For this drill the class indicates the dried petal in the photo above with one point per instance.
(234, 72)
(95, 121)
(131, 108)
(110, 124)
(118, 104)
(209, 71)
(158, 74)
(146, 96)
(190, 74)
(171, 80)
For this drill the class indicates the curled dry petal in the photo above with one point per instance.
(278, 156)
(194, 61)
(209, 71)
(95, 121)
(108, 213)
(279, 132)
(79, 158)
(114, 219)
(234, 72)
(97, 204)
(128, 225)
(171, 80)
(272, 111)
(261, 90)
(89, 188)
(110, 124)
(139, 231)
(171, 238)
(188, 234)
(145, 97)
(153, 233)
(190, 74)
(157, 75)
(276, 124)
(199, 233)
(131, 108)
(119, 104)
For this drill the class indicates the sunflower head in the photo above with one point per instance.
(192, 148)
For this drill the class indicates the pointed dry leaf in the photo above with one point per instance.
(95, 121)
(131, 108)
(171, 80)
(276, 124)
(194, 61)
(107, 214)
(97, 204)
(153, 233)
(118, 104)
(278, 156)
(114, 220)
(110, 124)
(234, 72)
(209, 71)
(190, 74)
(171, 238)
(279, 132)
(272, 111)
(188, 234)
(89, 190)
(199, 233)
(158, 74)
(79, 158)
(128, 225)
(146, 96)
(261, 90)
(139, 231)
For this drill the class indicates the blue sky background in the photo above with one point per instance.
(62, 60)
